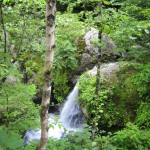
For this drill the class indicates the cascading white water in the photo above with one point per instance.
(71, 114)
(71, 118)
(55, 132)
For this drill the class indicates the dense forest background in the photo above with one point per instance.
(118, 117)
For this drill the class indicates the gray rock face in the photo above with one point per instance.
(89, 40)
(86, 58)
(11, 80)
(90, 52)
(108, 47)
(106, 70)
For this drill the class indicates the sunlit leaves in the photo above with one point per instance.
(142, 80)
(143, 116)
(16, 106)
(94, 107)
(7, 68)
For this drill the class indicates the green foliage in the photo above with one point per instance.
(131, 138)
(128, 138)
(132, 25)
(119, 97)
(125, 21)
(32, 146)
(61, 88)
(133, 39)
(66, 53)
(20, 61)
(7, 69)
(66, 56)
(137, 9)
(16, 104)
(143, 116)
(69, 27)
(142, 80)
(17, 108)
(73, 141)
(100, 110)
(10, 141)
(24, 43)
(103, 143)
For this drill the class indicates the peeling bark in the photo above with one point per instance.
(4, 30)
(50, 29)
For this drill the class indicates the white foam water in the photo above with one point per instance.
(56, 131)
(71, 115)
(71, 118)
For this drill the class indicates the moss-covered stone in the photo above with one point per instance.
(120, 99)
(80, 43)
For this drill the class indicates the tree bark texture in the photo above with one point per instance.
(3, 26)
(50, 29)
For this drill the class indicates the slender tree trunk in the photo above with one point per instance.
(50, 29)
(5, 36)
(3, 26)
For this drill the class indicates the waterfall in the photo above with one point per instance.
(71, 114)
(55, 132)
(71, 118)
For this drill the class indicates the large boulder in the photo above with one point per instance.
(89, 52)
(118, 98)
(107, 48)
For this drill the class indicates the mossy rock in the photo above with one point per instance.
(120, 99)
(80, 43)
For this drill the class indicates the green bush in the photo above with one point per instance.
(9, 141)
(17, 108)
(103, 143)
(120, 95)
(131, 138)
(142, 81)
(101, 111)
(73, 141)
(31, 146)
(143, 116)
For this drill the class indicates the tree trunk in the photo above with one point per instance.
(3, 26)
(50, 29)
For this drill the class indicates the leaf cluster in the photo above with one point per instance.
(10, 141)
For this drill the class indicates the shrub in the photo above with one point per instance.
(73, 141)
(143, 116)
(9, 141)
(131, 138)
(103, 143)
